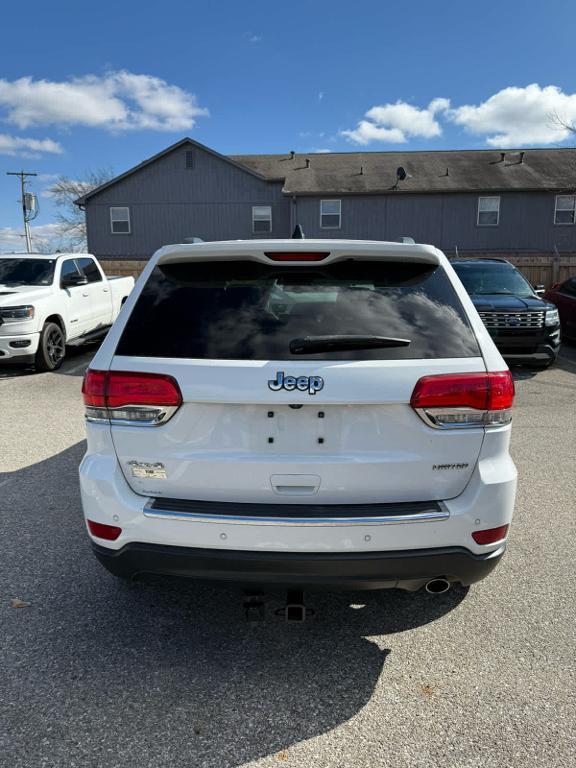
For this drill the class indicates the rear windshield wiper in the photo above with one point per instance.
(342, 343)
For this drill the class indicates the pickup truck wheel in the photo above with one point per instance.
(51, 348)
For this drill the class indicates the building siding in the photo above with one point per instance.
(169, 203)
(446, 221)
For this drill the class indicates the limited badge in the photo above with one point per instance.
(144, 469)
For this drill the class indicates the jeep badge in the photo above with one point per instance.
(312, 384)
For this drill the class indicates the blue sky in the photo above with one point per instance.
(108, 84)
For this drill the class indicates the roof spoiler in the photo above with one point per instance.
(260, 250)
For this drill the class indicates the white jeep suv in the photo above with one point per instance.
(300, 413)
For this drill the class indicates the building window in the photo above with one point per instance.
(488, 211)
(120, 221)
(330, 214)
(189, 158)
(564, 212)
(261, 218)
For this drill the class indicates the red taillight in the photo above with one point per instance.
(297, 256)
(130, 397)
(141, 389)
(483, 391)
(453, 400)
(103, 531)
(490, 535)
(94, 388)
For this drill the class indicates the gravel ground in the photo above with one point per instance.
(166, 673)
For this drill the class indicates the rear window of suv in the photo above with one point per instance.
(245, 310)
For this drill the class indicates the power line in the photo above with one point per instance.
(25, 210)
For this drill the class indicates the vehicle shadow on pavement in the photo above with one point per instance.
(167, 672)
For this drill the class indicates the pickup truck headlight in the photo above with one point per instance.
(16, 314)
(552, 317)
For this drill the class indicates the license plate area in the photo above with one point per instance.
(301, 428)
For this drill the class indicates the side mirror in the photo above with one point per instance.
(539, 290)
(73, 280)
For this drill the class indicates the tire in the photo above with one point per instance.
(51, 348)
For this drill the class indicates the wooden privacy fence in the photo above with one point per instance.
(545, 270)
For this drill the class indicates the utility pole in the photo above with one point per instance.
(25, 212)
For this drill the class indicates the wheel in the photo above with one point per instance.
(51, 348)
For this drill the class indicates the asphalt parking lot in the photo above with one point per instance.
(94, 672)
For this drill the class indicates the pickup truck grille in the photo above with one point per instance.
(513, 319)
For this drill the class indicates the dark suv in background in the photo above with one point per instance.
(525, 327)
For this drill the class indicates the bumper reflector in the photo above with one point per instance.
(490, 535)
(103, 531)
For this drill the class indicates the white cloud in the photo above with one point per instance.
(117, 101)
(321, 95)
(255, 38)
(396, 123)
(519, 116)
(17, 145)
(43, 235)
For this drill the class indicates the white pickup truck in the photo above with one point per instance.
(48, 302)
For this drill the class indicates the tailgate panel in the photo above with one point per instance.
(356, 441)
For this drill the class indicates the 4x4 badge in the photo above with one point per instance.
(312, 384)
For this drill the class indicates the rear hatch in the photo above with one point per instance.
(268, 419)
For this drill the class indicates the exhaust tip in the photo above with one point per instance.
(437, 586)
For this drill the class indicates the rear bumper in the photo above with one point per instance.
(409, 569)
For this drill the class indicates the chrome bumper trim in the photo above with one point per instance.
(435, 515)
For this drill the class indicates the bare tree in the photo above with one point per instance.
(561, 124)
(70, 217)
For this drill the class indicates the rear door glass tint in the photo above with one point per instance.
(69, 269)
(91, 271)
(244, 310)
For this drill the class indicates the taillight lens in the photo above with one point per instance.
(141, 389)
(464, 399)
(103, 531)
(94, 388)
(490, 535)
(122, 397)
